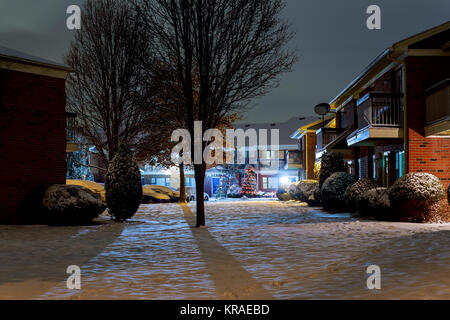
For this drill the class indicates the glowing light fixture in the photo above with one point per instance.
(284, 180)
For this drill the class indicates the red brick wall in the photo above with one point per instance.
(430, 155)
(32, 140)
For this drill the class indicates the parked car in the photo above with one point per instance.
(152, 195)
(191, 194)
(92, 186)
(172, 194)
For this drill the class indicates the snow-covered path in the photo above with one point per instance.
(250, 250)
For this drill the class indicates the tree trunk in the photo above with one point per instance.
(200, 170)
(182, 185)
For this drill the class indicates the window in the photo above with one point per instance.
(359, 169)
(269, 183)
(350, 167)
(399, 164)
(375, 167)
(294, 157)
(265, 183)
(189, 182)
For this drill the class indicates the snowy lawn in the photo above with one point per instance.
(250, 250)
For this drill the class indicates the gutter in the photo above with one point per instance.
(37, 63)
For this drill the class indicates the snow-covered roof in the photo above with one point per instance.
(11, 54)
(286, 128)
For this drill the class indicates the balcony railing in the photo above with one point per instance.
(270, 164)
(327, 135)
(438, 102)
(382, 109)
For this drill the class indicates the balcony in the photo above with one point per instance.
(380, 119)
(438, 109)
(327, 135)
(71, 145)
(380, 109)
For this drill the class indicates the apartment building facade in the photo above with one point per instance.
(394, 117)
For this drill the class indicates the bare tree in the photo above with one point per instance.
(236, 49)
(106, 91)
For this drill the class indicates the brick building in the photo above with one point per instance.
(394, 117)
(32, 131)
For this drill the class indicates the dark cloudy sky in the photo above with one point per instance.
(332, 39)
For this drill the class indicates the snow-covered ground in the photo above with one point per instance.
(250, 250)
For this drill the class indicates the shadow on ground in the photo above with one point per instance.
(36, 257)
(231, 280)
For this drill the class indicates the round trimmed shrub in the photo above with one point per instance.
(70, 205)
(293, 191)
(283, 194)
(318, 195)
(333, 191)
(315, 194)
(375, 203)
(355, 190)
(305, 189)
(331, 162)
(412, 196)
(123, 185)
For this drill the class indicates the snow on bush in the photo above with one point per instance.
(294, 191)
(355, 190)
(413, 194)
(70, 205)
(235, 191)
(315, 194)
(331, 162)
(375, 203)
(283, 194)
(305, 190)
(333, 190)
(123, 185)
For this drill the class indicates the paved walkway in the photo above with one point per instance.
(250, 250)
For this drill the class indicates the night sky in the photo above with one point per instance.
(333, 42)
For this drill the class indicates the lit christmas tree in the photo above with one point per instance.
(249, 183)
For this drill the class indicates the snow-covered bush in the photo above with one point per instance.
(438, 212)
(283, 194)
(70, 205)
(332, 162)
(315, 194)
(305, 189)
(333, 190)
(355, 190)
(123, 185)
(235, 191)
(375, 203)
(294, 191)
(413, 194)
